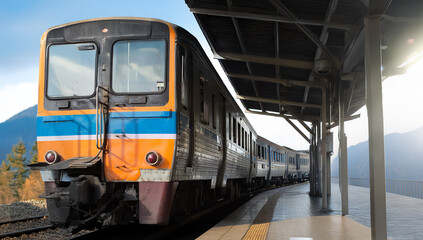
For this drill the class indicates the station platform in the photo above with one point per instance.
(290, 213)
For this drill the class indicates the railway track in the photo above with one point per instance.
(24, 223)
(22, 219)
(26, 231)
(190, 227)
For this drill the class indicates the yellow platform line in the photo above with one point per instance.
(257, 231)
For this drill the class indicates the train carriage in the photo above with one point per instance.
(135, 125)
(130, 112)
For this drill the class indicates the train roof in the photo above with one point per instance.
(260, 138)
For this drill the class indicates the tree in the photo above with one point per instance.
(34, 185)
(34, 153)
(6, 194)
(20, 171)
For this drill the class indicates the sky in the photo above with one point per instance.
(23, 22)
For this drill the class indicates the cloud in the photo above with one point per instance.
(18, 91)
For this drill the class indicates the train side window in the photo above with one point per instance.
(204, 115)
(258, 150)
(246, 141)
(242, 137)
(230, 126)
(183, 76)
(213, 105)
(250, 140)
(234, 130)
(239, 134)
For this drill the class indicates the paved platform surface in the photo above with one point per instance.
(290, 213)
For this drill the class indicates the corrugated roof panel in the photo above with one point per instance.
(221, 33)
(258, 37)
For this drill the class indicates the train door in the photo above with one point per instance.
(222, 146)
(250, 147)
(269, 159)
(186, 114)
(136, 80)
(297, 161)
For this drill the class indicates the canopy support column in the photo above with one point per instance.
(343, 154)
(314, 190)
(373, 63)
(323, 151)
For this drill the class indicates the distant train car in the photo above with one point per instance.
(272, 161)
(303, 165)
(135, 125)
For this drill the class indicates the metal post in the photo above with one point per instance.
(323, 152)
(312, 162)
(318, 165)
(373, 63)
(329, 175)
(343, 155)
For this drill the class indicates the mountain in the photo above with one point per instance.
(21, 126)
(403, 157)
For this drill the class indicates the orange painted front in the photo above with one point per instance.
(128, 157)
(119, 152)
(68, 149)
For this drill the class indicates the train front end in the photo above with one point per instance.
(106, 121)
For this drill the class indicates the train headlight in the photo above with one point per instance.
(51, 157)
(153, 158)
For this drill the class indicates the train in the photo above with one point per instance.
(135, 125)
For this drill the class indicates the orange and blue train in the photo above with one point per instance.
(135, 125)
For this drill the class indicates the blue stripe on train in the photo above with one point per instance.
(121, 122)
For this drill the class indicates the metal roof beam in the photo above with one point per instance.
(282, 8)
(268, 18)
(350, 93)
(299, 119)
(265, 60)
(275, 101)
(241, 43)
(298, 130)
(336, 123)
(303, 117)
(285, 82)
(324, 35)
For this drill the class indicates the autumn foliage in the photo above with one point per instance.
(17, 182)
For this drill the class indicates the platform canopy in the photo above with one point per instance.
(278, 54)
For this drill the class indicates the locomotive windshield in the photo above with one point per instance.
(71, 70)
(139, 66)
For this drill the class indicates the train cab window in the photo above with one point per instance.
(139, 66)
(213, 105)
(71, 70)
